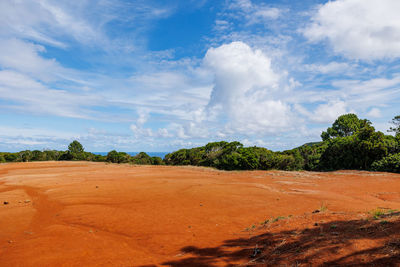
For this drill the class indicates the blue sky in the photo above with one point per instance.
(161, 75)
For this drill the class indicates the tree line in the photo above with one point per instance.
(76, 152)
(350, 143)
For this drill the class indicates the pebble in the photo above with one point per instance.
(5, 202)
(27, 201)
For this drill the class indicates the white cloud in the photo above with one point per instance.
(24, 57)
(42, 21)
(358, 29)
(368, 93)
(222, 25)
(33, 97)
(374, 113)
(266, 13)
(328, 112)
(247, 89)
(63, 22)
(329, 68)
(254, 13)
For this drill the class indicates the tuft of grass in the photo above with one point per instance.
(251, 228)
(323, 207)
(333, 226)
(278, 218)
(377, 213)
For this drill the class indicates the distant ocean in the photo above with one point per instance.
(151, 154)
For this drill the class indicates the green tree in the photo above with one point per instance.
(38, 155)
(75, 147)
(11, 157)
(357, 151)
(345, 125)
(117, 157)
(52, 154)
(396, 128)
(112, 156)
(142, 158)
(390, 163)
(157, 161)
(25, 155)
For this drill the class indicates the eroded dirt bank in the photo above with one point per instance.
(96, 214)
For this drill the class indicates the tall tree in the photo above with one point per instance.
(345, 125)
(75, 147)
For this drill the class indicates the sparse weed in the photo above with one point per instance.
(251, 228)
(333, 226)
(377, 213)
(278, 218)
(323, 207)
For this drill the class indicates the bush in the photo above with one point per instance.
(66, 156)
(389, 164)
(52, 154)
(99, 158)
(157, 161)
(142, 159)
(38, 155)
(25, 156)
(233, 156)
(117, 157)
(11, 157)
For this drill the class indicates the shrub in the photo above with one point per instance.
(117, 157)
(390, 163)
(11, 157)
(142, 159)
(157, 161)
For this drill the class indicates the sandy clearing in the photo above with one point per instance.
(96, 214)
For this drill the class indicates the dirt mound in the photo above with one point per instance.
(96, 214)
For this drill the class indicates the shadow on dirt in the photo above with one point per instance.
(326, 244)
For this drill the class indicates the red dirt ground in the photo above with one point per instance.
(96, 214)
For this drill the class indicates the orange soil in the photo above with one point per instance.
(96, 214)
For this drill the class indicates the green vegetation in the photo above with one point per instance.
(390, 163)
(345, 125)
(77, 152)
(379, 213)
(350, 143)
(323, 208)
(233, 156)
